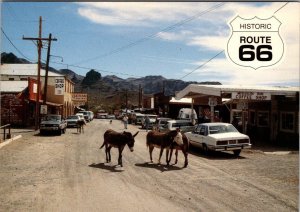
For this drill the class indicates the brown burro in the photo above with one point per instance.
(184, 147)
(167, 140)
(117, 140)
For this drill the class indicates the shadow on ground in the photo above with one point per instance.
(115, 168)
(159, 167)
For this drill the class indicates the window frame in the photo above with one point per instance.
(281, 121)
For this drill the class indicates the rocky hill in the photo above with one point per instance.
(109, 91)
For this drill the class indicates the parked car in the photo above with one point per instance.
(53, 123)
(72, 120)
(162, 121)
(152, 119)
(218, 137)
(183, 125)
(91, 115)
(80, 116)
(137, 118)
(85, 115)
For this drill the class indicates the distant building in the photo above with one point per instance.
(20, 81)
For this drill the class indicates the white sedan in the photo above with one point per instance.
(218, 137)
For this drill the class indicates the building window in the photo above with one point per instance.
(11, 79)
(287, 122)
(263, 118)
(23, 79)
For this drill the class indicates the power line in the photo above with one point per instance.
(180, 23)
(280, 8)
(200, 66)
(14, 45)
(220, 51)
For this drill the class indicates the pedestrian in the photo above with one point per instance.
(147, 122)
(125, 120)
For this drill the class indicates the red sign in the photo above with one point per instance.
(32, 86)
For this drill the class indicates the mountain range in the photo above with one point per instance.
(111, 88)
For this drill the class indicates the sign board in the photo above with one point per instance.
(59, 86)
(32, 87)
(43, 109)
(255, 42)
(259, 96)
(212, 101)
(79, 97)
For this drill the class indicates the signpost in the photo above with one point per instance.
(212, 102)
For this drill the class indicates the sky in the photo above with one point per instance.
(177, 40)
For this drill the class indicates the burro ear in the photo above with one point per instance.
(136, 134)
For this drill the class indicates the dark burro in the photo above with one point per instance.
(117, 140)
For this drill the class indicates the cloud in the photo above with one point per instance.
(137, 13)
(209, 32)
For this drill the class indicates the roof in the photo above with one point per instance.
(196, 90)
(13, 86)
(25, 70)
(181, 101)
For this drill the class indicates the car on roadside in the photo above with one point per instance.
(72, 120)
(218, 136)
(152, 121)
(183, 125)
(53, 123)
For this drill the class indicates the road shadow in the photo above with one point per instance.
(213, 155)
(159, 167)
(47, 134)
(115, 168)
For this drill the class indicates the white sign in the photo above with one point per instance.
(79, 97)
(255, 42)
(259, 96)
(43, 109)
(59, 86)
(34, 88)
(212, 101)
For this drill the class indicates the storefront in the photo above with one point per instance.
(266, 114)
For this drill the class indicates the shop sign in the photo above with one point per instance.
(259, 96)
(79, 97)
(59, 86)
(212, 101)
(43, 109)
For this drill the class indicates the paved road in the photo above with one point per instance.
(68, 173)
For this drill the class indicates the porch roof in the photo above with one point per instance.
(196, 90)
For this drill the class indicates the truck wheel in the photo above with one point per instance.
(236, 152)
(205, 149)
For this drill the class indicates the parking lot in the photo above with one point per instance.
(69, 173)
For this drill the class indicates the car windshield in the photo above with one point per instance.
(222, 129)
(72, 117)
(54, 118)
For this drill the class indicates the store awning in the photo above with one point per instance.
(196, 90)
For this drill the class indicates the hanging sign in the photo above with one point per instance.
(259, 96)
(59, 86)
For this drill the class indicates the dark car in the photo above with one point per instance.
(53, 123)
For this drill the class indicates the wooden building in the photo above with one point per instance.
(265, 113)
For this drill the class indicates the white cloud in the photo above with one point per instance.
(210, 32)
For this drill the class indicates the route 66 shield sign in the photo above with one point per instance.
(255, 42)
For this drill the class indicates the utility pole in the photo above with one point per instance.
(47, 66)
(39, 45)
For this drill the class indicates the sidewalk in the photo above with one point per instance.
(16, 133)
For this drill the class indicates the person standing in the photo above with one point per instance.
(125, 120)
(147, 123)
